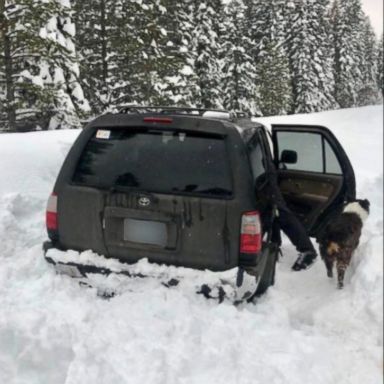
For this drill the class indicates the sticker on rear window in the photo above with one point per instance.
(103, 134)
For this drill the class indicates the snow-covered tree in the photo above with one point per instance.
(368, 93)
(40, 65)
(267, 23)
(268, 27)
(181, 83)
(238, 66)
(259, 56)
(95, 29)
(347, 20)
(3, 88)
(148, 65)
(3, 112)
(274, 82)
(310, 56)
(380, 67)
(126, 51)
(207, 18)
(193, 49)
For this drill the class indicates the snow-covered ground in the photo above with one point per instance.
(303, 330)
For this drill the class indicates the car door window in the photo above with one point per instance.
(256, 159)
(314, 154)
(332, 165)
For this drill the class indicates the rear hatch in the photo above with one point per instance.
(157, 193)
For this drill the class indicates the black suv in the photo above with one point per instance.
(184, 187)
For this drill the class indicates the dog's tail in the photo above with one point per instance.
(333, 248)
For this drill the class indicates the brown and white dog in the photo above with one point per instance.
(341, 238)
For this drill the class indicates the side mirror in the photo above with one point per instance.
(288, 157)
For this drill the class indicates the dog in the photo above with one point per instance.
(341, 238)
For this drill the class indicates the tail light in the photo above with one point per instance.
(51, 213)
(161, 120)
(250, 236)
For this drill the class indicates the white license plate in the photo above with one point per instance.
(145, 232)
(69, 270)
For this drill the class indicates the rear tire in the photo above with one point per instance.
(268, 276)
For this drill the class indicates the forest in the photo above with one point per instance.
(65, 61)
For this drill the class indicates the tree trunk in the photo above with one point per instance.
(10, 90)
(104, 52)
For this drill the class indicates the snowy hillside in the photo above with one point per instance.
(303, 330)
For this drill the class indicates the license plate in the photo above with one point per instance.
(145, 232)
(69, 270)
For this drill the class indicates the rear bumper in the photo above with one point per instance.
(47, 245)
(80, 270)
(74, 269)
(242, 283)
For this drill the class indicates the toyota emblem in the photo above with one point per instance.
(144, 201)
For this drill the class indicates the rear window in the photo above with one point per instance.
(155, 161)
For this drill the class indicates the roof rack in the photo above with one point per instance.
(168, 110)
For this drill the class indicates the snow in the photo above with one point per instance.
(70, 28)
(37, 80)
(186, 70)
(217, 115)
(59, 76)
(78, 93)
(303, 330)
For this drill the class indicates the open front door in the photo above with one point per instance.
(314, 172)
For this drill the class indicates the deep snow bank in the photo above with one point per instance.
(302, 331)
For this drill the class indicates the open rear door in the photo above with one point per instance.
(315, 174)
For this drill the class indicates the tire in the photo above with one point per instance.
(268, 277)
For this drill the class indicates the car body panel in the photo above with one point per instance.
(203, 231)
(184, 228)
(315, 196)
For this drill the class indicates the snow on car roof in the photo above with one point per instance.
(217, 115)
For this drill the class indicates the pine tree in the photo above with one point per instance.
(311, 57)
(193, 49)
(7, 67)
(268, 26)
(368, 94)
(205, 43)
(60, 59)
(3, 110)
(380, 67)
(127, 53)
(39, 65)
(148, 63)
(239, 70)
(95, 27)
(274, 83)
(267, 23)
(347, 20)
